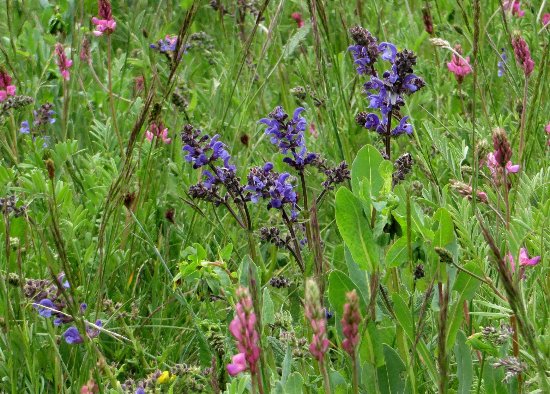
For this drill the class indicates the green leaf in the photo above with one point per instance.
(354, 229)
(365, 176)
(268, 310)
(397, 253)
(476, 342)
(391, 374)
(445, 232)
(294, 384)
(465, 370)
(338, 285)
(370, 348)
(466, 286)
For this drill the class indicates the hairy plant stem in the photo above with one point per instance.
(522, 121)
(111, 98)
(65, 109)
(290, 227)
(442, 335)
(355, 373)
(387, 136)
(326, 380)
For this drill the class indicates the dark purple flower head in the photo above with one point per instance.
(365, 52)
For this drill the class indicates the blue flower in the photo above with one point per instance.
(25, 128)
(403, 127)
(72, 336)
(45, 312)
(287, 135)
(502, 63)
(388, 51)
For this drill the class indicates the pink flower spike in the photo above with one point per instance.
(164, 137)
(63, 62)
(238, 364)
(524, 259)
(6, 88)
(545, 19)
(513, 168)
(10, 89)
(149, 136)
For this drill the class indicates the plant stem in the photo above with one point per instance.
(522, 122)
(326, 380)
(355, 381)
(294, 240)
(111, 98)
(387, 136)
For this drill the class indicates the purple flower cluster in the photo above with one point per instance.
(365, 52)
(386, 93)
(46, 296)
(42, 116)
(202, 149)
(288, 135)
(264, 183)
(165, 45)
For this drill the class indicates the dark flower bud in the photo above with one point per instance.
(129, 199)
(403, 165)
(419, 272)
(279, 282)
(503, 151)
(245, 139)
(170, 214)
(428, 22)
(361, 118)
(50, 167)
(155, 112)
(444, 255)
(299, 92)
(361, 35)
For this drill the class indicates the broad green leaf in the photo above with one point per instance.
(354, 229)
(492, 380)
(338, 285)
(465, 369)
(294, 384)
(390, 376)
(397, 253)
(365, 176)
(476, 342)
(370, 348)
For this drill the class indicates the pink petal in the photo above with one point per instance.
(96, 21)
(238, 364)
(3, 95)
(511, 167)
(511, 261)
(97, 33)
(11, 90)
(149, 135)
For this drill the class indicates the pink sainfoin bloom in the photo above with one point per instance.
(63, 62)
(513, 6)
(158, 131)
(350, 323)
(317, 320)
(523, 56)
(547, 129)
(243, 328)
(458, 66)
(105, 24)
(6, 88)
(298, 18)
(545, 20)
(524, 261)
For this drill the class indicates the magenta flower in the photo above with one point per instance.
(494, 166)
(105, 24)
(6, 88)
(238, 364)
(63, 62)
(523, 56)
(547, 129)
(158, 131)
(317, 319)
(513, 6)
(459, 66)
(545, 19)
(298, 18)
(243, 328)
(524, 261)
(350, 323)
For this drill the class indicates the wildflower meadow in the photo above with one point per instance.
(274, 196)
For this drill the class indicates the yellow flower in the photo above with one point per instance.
(164, 378)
